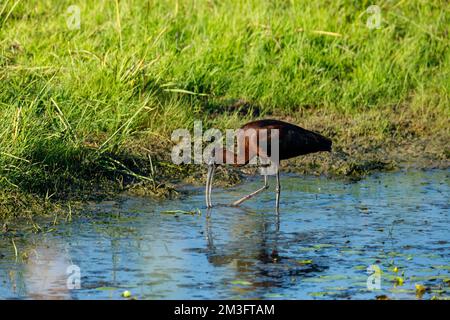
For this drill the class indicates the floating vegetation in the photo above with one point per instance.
(360, 267)
(320, 294)
(325, 278)
(420, 290)
(441, 267)
(428, 278)
(273, 295)
(126, 294)
(351, 252)
(190, 212)
(323, 245)
(399, 281)
(232, 254)
(106, 288)
(241, 282)
(402, 290)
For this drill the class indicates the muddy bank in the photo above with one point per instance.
(373, 141)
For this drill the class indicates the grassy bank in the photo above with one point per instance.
(90, 111)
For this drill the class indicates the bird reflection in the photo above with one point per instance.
(252, 251)
(256, 253)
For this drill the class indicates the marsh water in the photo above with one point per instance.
(328, 234)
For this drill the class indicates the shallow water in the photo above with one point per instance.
(328, 234)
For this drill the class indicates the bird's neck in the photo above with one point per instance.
(226, 157)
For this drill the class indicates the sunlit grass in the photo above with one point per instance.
(143, 68)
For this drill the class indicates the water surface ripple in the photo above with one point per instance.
(329, 233)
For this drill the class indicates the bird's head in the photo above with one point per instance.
(327, 144)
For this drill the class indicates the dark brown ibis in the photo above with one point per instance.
(292, 141)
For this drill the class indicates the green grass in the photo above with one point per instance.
(70, 100)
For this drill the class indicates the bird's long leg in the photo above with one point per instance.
(254, 193)
(213, 170)
(278, 192)
(208, 187)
